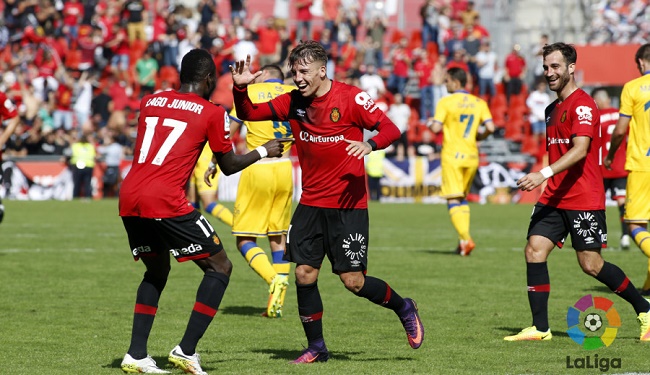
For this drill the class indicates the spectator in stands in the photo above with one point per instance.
(330, 47)
(376, 30)
(444, 28)
(73, 13)
(112, 154)
(245, 47)
(237, 10)
(430, 13)
(456, 40)
(468, 15)
(400, 113)
(331, 15)
(537, 102)
(135, 20)
(62, 101)
(45, 82)
(486, 61)
(438, 79)
(82, 104)
(102, 106)
(538, 66)
(423, 68)
(207, 9)
(401, 58)
(349, 23)
(147, 69)
(304, 18)
(515, 70)
(268, 40)
(471, 45)
(119, 46)
(372, 83)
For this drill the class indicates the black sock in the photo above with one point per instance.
(616, 281)
(539, 288)
(146, 305)
(310, 308)
(208, 297)
(379, 292)
(621, 213)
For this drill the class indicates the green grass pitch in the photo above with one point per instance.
(68, 283)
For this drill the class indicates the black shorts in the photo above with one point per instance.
(342, 235)
(187, 237)
(616, 187)
(588, 229)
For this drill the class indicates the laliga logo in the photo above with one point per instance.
(593, 323)
(588, 313)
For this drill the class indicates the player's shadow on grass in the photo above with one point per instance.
(242, 310)
(290, 355)
(598, 288)
(514, 330)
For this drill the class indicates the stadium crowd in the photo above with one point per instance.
(82, 66)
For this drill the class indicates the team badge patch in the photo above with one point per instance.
(563, 116)
(335, 115)
(216, 239)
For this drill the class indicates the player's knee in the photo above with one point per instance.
(306, 274)
(590, 268)
(352, 283)
(157, 277)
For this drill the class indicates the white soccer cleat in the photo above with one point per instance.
(625, 242)
(141, 366)
(191, 364)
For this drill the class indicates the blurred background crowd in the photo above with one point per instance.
(79, 68)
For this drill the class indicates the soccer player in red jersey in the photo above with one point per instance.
(615, 178)
(172, 129)
(573, 201)
(327, 118)
(7, 112)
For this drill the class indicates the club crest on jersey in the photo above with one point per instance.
(563, 116)
(335, 115)
(216, 239)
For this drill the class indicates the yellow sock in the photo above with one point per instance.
(221, 212)
(642, 239)
(258, 261)
(459, 214)
(281, 266)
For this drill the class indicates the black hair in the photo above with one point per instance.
(196, 66)
(642, 53)
(274, 71)
(568, 51)
(459, 75)
(307, 52)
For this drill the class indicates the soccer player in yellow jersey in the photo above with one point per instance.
(459, 116)
(634, 113)
(206, 193)
(264, 195)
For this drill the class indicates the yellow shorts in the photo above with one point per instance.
(456, 180)
(263, 203)
(637, 199)
(196, 179)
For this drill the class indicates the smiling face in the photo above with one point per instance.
(556, 71)
(310, 77)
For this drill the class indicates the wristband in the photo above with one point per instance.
(262, 151)
(547, 172)
(212, 165)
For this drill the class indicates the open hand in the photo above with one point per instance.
(241, 74)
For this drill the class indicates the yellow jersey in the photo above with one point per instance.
(260, 132)
(460, 114)
(635, 103)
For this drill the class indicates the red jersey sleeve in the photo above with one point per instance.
(249, 111)
(585, 118)
(367, 114)
(219, 132)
